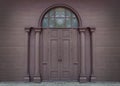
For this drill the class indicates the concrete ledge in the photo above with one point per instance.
(60, 84)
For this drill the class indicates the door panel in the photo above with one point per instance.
(53, 51)
(66, 66)
(50, 55)
(65, 45)
(60, 55)
(69, 55)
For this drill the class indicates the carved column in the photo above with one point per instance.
(92, 32)
(83, 77)
(37, 77)
(27, 39)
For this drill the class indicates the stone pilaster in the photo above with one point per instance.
(36, 77)
(27, 39)
(92, 32)
(83, 77)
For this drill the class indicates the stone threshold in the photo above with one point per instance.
(60, 84)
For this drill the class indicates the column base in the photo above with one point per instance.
(36, 79)
(27, 78)
(93, 79)
(83, 79)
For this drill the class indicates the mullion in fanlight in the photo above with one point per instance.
(60, 18)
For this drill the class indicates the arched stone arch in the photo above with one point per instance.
(63, 6)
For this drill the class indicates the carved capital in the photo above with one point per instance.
(33, 28)
(82, 29)
(27, 29)
(37, 29)
(92, 29)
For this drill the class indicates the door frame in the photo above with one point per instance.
(32, 50)
(32, 54)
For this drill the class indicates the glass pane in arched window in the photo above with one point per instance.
(45, 22)
(60, 18)
(59, 12)
(60, 22)
(68, 13)
(52, 13)
(74, 22)
(68, 22)
(51, 22)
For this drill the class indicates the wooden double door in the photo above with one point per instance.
(60, 55)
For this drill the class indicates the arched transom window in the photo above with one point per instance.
(60, 18)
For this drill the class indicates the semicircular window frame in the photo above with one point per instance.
(60, 18)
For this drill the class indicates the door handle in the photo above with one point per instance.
(59, 60)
